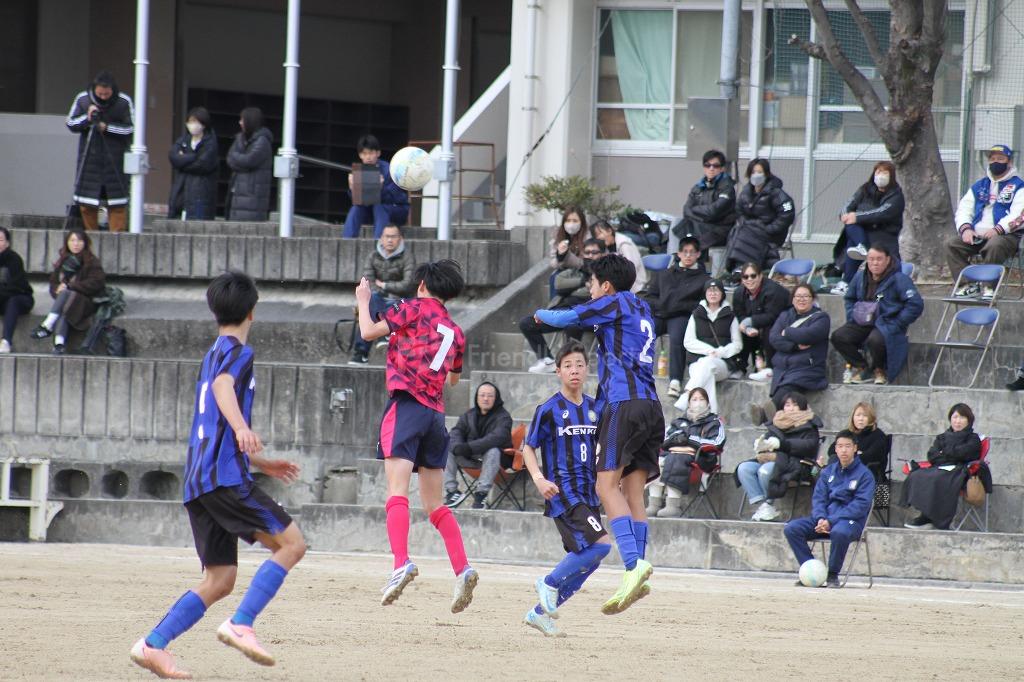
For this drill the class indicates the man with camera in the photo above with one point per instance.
(103, 118)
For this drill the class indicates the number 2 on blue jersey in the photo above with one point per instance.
(645, 326)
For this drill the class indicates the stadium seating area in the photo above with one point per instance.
(113, 428)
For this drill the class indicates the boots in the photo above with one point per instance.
(673, 508)
(654, 504)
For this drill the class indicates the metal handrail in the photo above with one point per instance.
(325, 163)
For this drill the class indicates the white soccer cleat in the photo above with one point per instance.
(543, 623)
(464, 586)
(402, 576)
(547, 596)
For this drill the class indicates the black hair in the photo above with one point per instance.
(881, 248)
(231, 297)
(202, 115)
(699, 390)
(442, 278)
(763, 163)
(614, 269)
(691, 240)
(593, 241)
(568, 348)
(81, 233)
(846, 433)
(397, 227)
(711, 154)
(799, 398)
(806, 287)
(252, 120)
(368, 142)
(6, 233)
(964, 411)
(105, 78)
(751, 266)
(601, 224)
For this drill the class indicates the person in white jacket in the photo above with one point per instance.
(624, 246)
(713, 335)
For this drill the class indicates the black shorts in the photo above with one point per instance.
(629, 436)
(412, 431)
(580, 527)
(225, 514)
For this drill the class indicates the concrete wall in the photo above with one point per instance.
(38, 169)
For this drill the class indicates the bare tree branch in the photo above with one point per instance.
(874, 49)
(812, 49)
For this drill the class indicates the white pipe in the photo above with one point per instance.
(730, 49)
(138, 161)
(286, 175)
(447, 157)
(529, 89)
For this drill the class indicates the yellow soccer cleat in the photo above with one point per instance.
(631, 589)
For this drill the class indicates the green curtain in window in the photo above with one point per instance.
(643, 57)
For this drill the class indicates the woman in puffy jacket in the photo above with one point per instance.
(698, 436)
(195, 161)
(764, 214)
(873, 216)
(757, 304)
(251, 159)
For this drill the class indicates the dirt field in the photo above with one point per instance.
(71, 612)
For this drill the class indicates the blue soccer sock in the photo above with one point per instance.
(575, 563)
(573, 583)
(185, 613)
(622, 528)
(640, 533)
(265, 585)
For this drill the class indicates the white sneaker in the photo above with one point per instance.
(543, 366)
(5, 346)
(968, 290)
(987, 293)
(675, 387)
(857, 252)
(770, 512)
(759, 512)
(839, 289)
(763, 375)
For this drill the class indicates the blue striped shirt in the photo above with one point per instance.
(214, 459)
(565, 433)
(624, 328)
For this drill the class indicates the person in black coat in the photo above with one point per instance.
(477, 441)
(872, 442)
(673, 293)
(873, 216)
(102, 116)
(757, 304)
(15, 291)
(935, 490)
(251, 159)
(710, 210)
(764, 215)
(195, 161)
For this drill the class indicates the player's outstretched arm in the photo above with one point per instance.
(557, 318)
(544, 486)
(368, 329)
(227, 403)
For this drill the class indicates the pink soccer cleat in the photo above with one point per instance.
(160, 662)
(244, 639)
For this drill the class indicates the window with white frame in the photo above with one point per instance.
(650, 61)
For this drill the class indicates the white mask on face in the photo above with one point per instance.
(757, 179)
(572, 228)
(698, 404)
(195, 128)
(881, 180)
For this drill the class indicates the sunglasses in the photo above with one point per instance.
(712, 165)
(749, 275)
(591, 253)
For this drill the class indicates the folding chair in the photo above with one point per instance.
(977, 515)
(882, 507)
(1016, 262)
(703, 480)
(862, 540)
(513, 473)
(657, 261)
(807, 478)
(977, 318)
(983, 274)
(800, 268)
(907, 269)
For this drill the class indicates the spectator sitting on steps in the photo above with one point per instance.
(76, 279)
(765, 215)
(390, 270)
(15, 291)
(477, 442)
(393, 208)
(839, 509)
(712, 339)
(757, 304)
(988, 219)
(710, 209)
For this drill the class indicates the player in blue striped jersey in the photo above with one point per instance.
(632, 425)
(222, 502)
(564, 429)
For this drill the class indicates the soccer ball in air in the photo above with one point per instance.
(813, 573)
(411, 168)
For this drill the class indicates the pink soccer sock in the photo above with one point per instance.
(397, 508)
(448, 527)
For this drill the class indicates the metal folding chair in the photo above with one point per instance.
(976, 318)
(657, 261)
(907, 269)
(982, 274)
(800, 268)
(967, 512)
(862, 540)
(704, 480)
(513, 475)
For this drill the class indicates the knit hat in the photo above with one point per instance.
(714, 283)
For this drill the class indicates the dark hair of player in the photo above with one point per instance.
(368, 143)
(846, 433)
(616, 270)
(442, 278)
(231, 297)
(568, 348)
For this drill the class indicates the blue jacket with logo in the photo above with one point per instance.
(843, 494)
(1006, 209)
(899, 305)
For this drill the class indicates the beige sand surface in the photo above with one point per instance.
(71, 612)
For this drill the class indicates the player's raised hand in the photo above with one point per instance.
(249, 442)
(545, 487)
(280, 469)
(363, 291)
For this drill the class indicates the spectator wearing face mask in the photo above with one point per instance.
(873, 216)
(195, 161)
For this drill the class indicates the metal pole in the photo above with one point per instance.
(445, 169)
(286, 165)
(727, 77)
(136, 162)
(529, 91)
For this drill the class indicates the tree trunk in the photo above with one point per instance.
(928, 218)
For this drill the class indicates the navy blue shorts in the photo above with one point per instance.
(629, 435)
(409, 430)
(580, 527)
(223, 515)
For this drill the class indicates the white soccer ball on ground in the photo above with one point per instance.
(813, 573)
(412, 168)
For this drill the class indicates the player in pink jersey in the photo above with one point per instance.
(425, 347)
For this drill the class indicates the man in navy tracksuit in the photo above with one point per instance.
(839, 508)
